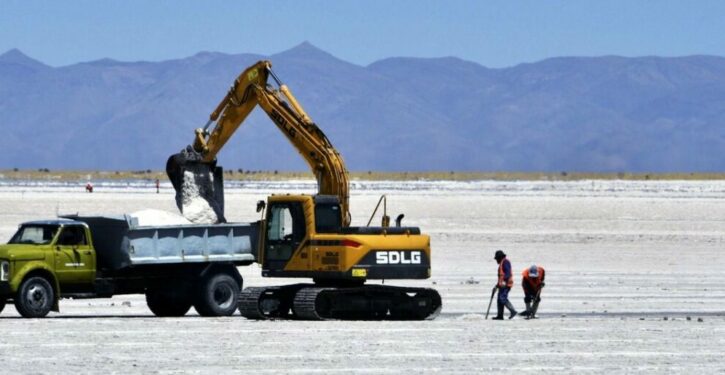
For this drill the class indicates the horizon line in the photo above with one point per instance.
(309, 45)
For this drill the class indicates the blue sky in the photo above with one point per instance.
(492, 33)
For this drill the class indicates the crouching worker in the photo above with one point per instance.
(505, 282)
(532, 281)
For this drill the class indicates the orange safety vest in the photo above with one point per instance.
(510, 282)
(534, 282)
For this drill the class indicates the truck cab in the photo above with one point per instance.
(175, 266)
(39, 258)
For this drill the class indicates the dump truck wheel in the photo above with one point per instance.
(165, 303)
(35, 298)
(217, 296)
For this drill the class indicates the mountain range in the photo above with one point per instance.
(600, 114)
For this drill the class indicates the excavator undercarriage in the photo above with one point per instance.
(315, 302)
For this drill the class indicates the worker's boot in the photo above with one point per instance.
(510, 306)
(528, 310)
(534, 310)
(499, 315)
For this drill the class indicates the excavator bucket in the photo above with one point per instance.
(199, 187)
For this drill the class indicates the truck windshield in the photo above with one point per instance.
(35, 234)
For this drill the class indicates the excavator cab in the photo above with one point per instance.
(293, 223)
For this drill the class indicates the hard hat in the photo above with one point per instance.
(499, 255)
(533, 271)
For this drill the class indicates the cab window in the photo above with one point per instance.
(280, 224)
(34, 234)
(72, 236)
(328, 218)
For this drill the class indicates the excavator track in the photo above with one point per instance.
(367, 302)
(267, 303)
(305, 303)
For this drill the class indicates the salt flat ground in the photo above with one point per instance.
(627, 264)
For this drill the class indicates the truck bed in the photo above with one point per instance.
(121, 243)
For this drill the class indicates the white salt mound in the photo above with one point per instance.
(198, 210)
(151, 217)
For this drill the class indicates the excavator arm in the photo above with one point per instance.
(249, 90)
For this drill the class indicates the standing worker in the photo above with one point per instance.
(532, 281)
(158, 184)
(505, 282)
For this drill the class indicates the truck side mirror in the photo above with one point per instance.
(261, 205)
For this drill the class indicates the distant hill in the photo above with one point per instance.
(602, 114)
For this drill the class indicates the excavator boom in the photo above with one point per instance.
(193, 171)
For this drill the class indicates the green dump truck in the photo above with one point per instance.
(176, 266)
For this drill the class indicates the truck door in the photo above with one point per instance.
(75, 261)
(285, 233)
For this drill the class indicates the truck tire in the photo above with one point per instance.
(167, 303)
(218, 295)
(35, 297)
(2, 305)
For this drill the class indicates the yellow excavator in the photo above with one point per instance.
(309, 236)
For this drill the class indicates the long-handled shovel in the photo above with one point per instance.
(493, 293)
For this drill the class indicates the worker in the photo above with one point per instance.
(158, 184)
(505, 282)
(532, 280)
(89, 187)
